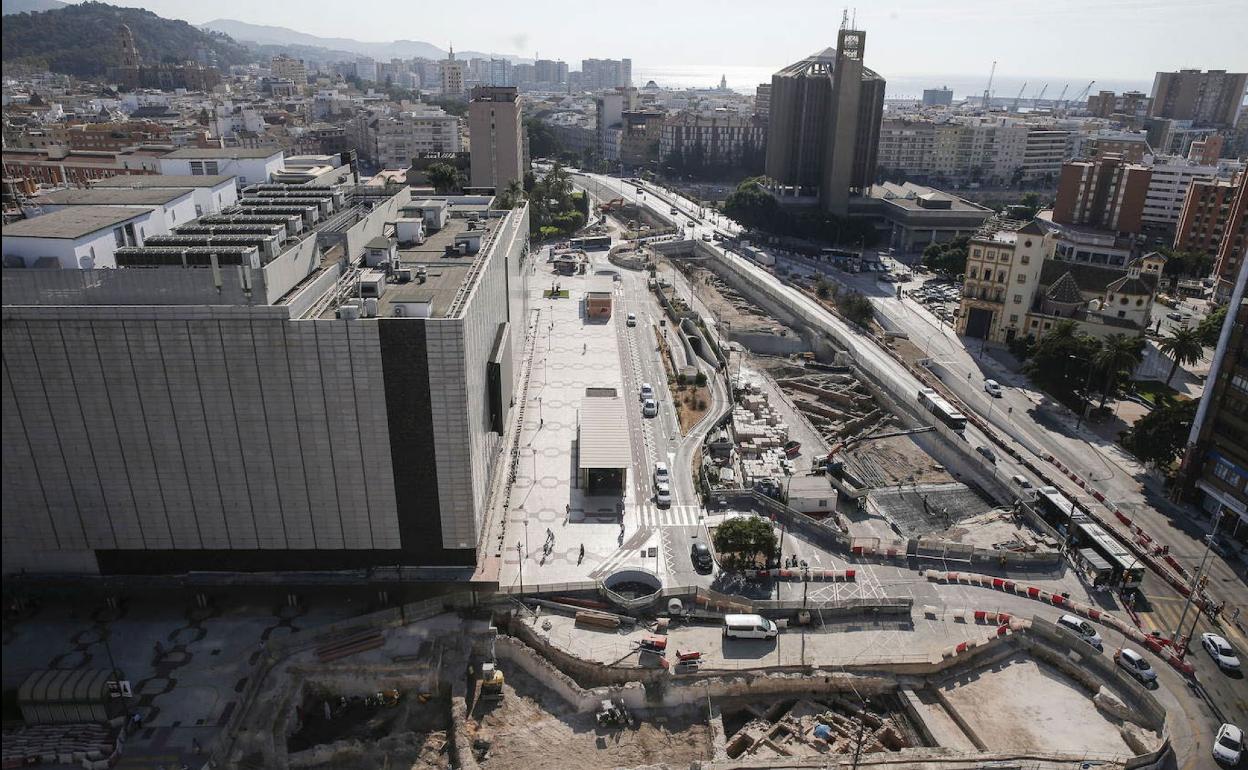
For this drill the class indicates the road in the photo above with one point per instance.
(1029, 420)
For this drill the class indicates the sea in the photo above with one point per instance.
(900, 85)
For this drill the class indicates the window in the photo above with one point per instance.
(1001, 277)
(210, 167)
(1018, 299)
(119, 236)
(974, 273)
(1022, 278)
(1240, 383)
(1013, 319)
(1225, 471)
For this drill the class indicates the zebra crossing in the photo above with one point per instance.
(651, 515)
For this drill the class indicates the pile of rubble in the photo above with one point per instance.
(835, 403)
(761, 434)
(809, 728)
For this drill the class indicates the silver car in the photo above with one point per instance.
(1221, 651)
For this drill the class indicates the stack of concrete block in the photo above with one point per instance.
(86, 745)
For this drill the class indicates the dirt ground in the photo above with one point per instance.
(411, 734)
(531, 726)
(897, 459)
(694, 401)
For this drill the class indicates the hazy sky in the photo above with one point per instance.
(1125, 39)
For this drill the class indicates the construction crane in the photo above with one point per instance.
(1019, 98)
(1079, 97)
(988, 91)
(1057, 104)
(1035, 100)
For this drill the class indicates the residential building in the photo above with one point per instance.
(209, 194)
(824, 125)
(1210, 213)
(1107, 104)
(1106, 193)
(609, 110)
(1132, 146)
(249, 165)
(1215, 465)
(642, 138)
(257, 408)
(294, 70)
(552, 74)
(497, 133)
(938, 97)
(58, 166)
(720, 138)
(1167, 187)
(1210, 98)
(366, 69)
(500, 73)
(424, 128)
(1233, 251)
(452, 76)
(603, 74)
(1045, 151)
(762, 101)
(964, 149)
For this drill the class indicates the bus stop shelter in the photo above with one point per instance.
(603, 451)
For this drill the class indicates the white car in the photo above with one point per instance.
(1221, 651)
(1135, 665)
(647, 391)
(632, 319)
(1228, 746)
(661, 474)
(663, 495)
(992, 388)
(649, 408)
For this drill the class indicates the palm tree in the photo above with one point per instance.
(1183, 345)
(1118, 352)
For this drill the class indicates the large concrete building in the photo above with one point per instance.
(938, 97)
(1210, 98)
(824, 125)
(273, 402)
(497, 134)
(1167, 187)
(423, 129)
(720, 138)
(1210, 215)
(1215, 465)
(605, 74)
(1106, 193)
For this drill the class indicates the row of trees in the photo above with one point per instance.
(947, 259)
(753, 205)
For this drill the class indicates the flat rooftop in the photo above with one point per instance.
(73, 222)
(123, 196)
(209, 153)
(164, 181)
(445, 273)
(909, 195)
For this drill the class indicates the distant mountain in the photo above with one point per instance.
(334, 47)
(31, 6)
(81, 39)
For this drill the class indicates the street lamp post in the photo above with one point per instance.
(520, 560)
(1196, 582)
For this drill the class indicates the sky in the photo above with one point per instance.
(1124, 40)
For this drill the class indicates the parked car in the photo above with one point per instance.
(992, 388)
(663, 495)
(1081, 628)
(661, 474)
(1228, 746)
(1174, 316)
(649, 408)
(700, 555)
(647, 391)
(632, 319)
(1135, 665)
(1221, 651)
(1020, 481)
(988, 454)
(792, 448)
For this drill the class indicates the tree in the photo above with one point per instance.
(1117, 353)
(1183, 345)
(855, 307)
(443, 176)
(511, 196)
(946, 258)
(1058, 360)
(1210, 327)
(1160, 436)
(542, 140)
(744, 539)
(1032, 203)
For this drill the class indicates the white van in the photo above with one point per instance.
(1081, 628)
(749, 627)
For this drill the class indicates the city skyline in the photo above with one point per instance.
(901, 34)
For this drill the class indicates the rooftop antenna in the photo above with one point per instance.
(854, 24)
(845, 19)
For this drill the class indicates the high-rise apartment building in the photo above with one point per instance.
(719, 138)
(938, 97)
(1168, 186)
(601, 74)
(1107, 193)
(264, 409)
(496, 133)
(452, 76)
(1210, 214)
(1233, 251)
(1210, 98)
(1215, 466)
(762, 101)
(401, 137)
(500, 73)
(548, 72)
(366, 69)
(824, 126)
(1107, 104)
(283, 66)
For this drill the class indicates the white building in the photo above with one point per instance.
(366, 70)
(1172, 176)
(252, 165)
(210, 194)
(77, 237)
(452, 76)
(232, 120)
(423, 129)
(171, 206)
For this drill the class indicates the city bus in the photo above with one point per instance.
(943, 410)
(589, 242)
(1055, 508)
(1126, 571)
